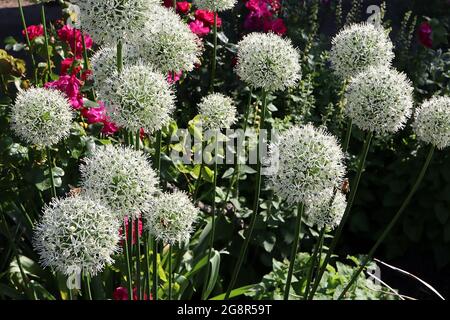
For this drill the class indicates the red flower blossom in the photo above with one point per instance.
(260, 8)
(70, 85)
(133, 230)
(183, 7)
(98, 115)
(173, 77)
(207, 17)
(199, 28)
(68, 63)
(74, 39)
(425, 34)
(276, 26)
(34, 31)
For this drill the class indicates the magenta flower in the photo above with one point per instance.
(259, 8)
(425, 34)
(174, 77)
(98, 115)
(183, 7)
(207, 17)
(70, 85)
(34, 31)
(199, 28)
(276, 26)
(74, 40)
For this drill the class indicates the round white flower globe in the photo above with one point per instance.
(41, 116)
(171, 217)
(306, 161)
(167, 42)
(138, 97)
(379, 99)
(359, 46)
(121, 178)
(267, 61)
(326, 214)
(432, 122)
(110, 21)
(217, 111)
(76, 234)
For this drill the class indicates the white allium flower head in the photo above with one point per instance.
(121, 178)
(41, 116)
(267, 61)
(104, 62)
(379, 99)
(167, 42)
(359, 46)
(432, 122)
(215, 5)
(76, 233)
(171, 217)
(217, 111)
(308, 160)
(320, 213)
(109, 21)
(138, 97)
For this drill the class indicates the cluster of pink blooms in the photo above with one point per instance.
(98, 115)
(34, 31)
(74, 39)
(264, 17)
(133, 229)
(201, 22)
(71, 86)
(425, 34)
(121, 293)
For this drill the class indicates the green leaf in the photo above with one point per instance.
(212, 279)
(236, 292)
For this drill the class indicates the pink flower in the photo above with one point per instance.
(259, 7)
(425, 34)
(198, 28)
(70, 85)
(70, 64)
(73, 38)
(168, 3)
(34, 31)
(207, 17)
(183, 7)
(253, 22)
(276, 26)
(98, 115)
(133, 231)
(121, 293)
(173, 77)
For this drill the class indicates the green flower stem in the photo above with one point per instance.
(236, 170)
(27, 38)
(294, 249)
(392, 223)
(127, 261)
(214, 54)
(170, 272)
(27, 288)
(87, 278)
(155, 242)
(213, 218)
(354, 188)
(202, 165)
(244, 247)
(44, 24)
(119, 56)
(175, 5)
(138, 260)
(50, 167)
(147, 288)
(86, 64)
(312, 260)
(348, 135)
(155, 269)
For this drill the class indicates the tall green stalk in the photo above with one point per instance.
(87, 279)
(312, 260)
(244, 247)
(348, 135)
(237, 167)
(50, 167)
(155, 242)
(27, 38)
(392, 223)
(44, 24)
(213, 218)
(170, 272)
(147, 288)
(127, 254)
(202, 165)
(294, 249)
(354, 188)
(214, 54)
